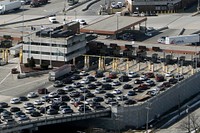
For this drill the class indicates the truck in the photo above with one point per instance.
(182, 39)
(8, 6)
(60, 72)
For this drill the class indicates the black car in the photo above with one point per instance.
(91, 78)
(127, 86)
(64, 98)
(14, 109)
(75, 77)
(60, 91)
(67, 81)
(138, 81)
(124, 78)
(98, 99)
(99, 75)
(130, 102)
(131, 93)
(107, 86)
(173, 81)
(35, 114)
(107, 95)
(91, 86)
(52, 111)
(3, 105)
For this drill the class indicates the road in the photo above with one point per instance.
(10, 86)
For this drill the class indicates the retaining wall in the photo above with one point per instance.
(136, 116)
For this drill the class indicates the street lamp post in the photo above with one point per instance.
(187, 111)
(147, 117)
(75, 14)
(50, 51)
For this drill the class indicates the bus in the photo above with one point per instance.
(72, 2)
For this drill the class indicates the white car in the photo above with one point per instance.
(161, 39)
(116, 91)
(68, 88)
(179, 77)
(132, 74)
(15, 100)
(85, 81)
(81, 21)
(32, 95)
(38, 102)
(83, 73)
(116, 83)
(168, 74)
(53, 94)
(143, 78)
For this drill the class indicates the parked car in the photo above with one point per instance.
(159, 78)
(116, 83)
(32, 95)
(43, 91)
(58, 83)
(173, 80)
(3, 105)
(14, 109)
(169, 74)
(130, 102)
(124, 78)
(179, 77)
(127, 86)
(132, 74)
(15, 100)
(138, 81)
(112, 75)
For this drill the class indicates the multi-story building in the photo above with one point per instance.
(158, 6)
(55, 51)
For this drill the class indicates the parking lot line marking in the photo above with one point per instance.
(5, 78)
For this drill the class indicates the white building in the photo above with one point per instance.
(54, 51)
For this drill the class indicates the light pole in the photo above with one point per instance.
(75, 14)
(147, 117)
(84, 102)
(50, 51)
(40, 48)
(187, 111)
(23, 23)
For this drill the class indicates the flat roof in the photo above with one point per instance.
(113, 24)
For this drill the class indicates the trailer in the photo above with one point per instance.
(182, 39)
(8, 6)
(60, 72)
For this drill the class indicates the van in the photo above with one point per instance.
(52, 19)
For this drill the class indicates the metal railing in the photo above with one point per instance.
(51, 119)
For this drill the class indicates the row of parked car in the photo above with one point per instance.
(86, 92)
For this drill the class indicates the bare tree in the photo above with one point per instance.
(191, 123)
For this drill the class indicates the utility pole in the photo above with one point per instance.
(198, 6)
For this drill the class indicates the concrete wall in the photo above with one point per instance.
(136, 116)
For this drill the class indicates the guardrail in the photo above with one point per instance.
(48, 119)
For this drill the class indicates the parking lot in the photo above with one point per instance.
(95, 90)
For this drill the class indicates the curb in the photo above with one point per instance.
(91, 3)
(70, 8)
